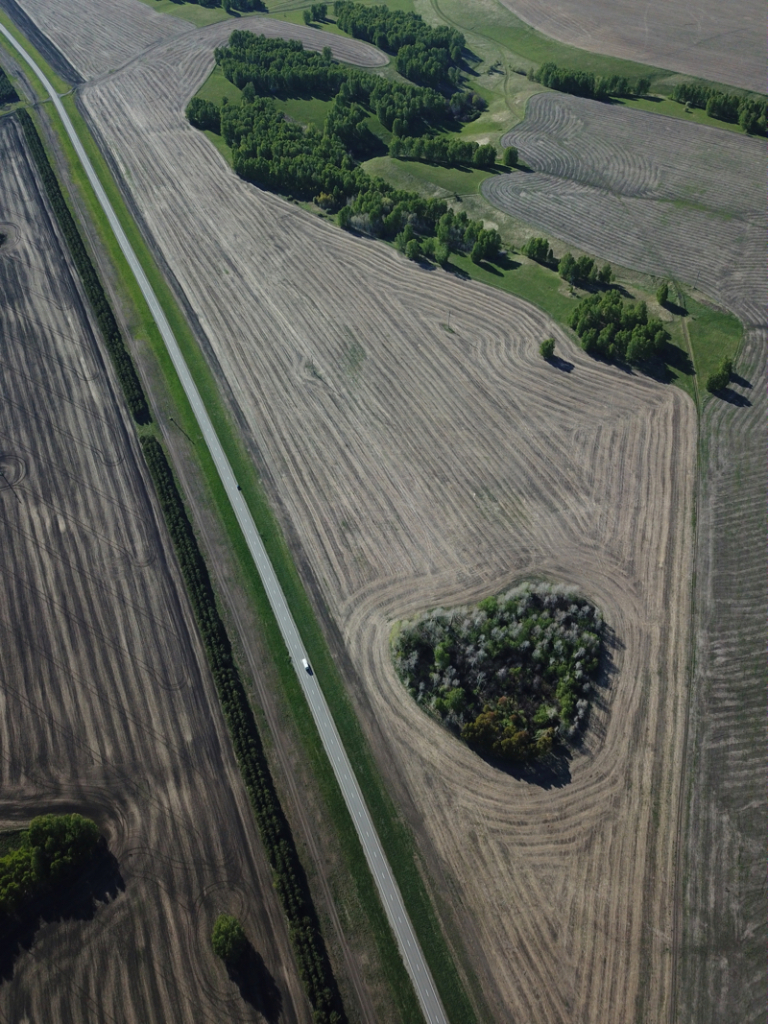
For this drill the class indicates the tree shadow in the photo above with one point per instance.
(77, 900)
(256, 984)
(561, 364)
(740, 381)
(733, 397)
(675, 308)
(677, 359)
(551, 772)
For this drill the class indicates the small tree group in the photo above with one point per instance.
(583, 270)
(228, 939)
(538, 249)
(317, 12)
(719, 379)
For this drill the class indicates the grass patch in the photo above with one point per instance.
(193, 13)
(309, 111)
(395, 836)
(670, 108)
(526, 280)
(714, 334)
(217, 88)
(415, 176)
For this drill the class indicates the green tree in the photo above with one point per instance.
(228, 939)
(642, 87)
(413, 249)
(605, 275)
(547, 348)
(510, 156)
(307, 17)
(663, 294)
(720, 378)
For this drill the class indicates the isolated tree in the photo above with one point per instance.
(719, 379)
(547, 348)
(510, 157)
(413, 249)
(228, 939)
(605, 275)
(307, 17)
(663, 294)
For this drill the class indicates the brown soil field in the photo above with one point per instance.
(96, 38)
(420, 452)
(707, 39)
(647, 192)
(106, 704)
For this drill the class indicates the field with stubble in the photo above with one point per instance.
(719, 41)
(106, 704)
(667, 198)
(420, 452)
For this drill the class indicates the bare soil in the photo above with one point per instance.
(651, 193)
(722, 42)
(106, 705)
(422, 453)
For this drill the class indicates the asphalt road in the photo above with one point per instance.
(382, 873)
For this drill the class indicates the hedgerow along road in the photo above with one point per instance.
(389, 892)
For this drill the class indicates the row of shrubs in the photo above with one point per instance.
(725, 106)
(94, 290)
(50, 851)
(584, 83)
(290, 881)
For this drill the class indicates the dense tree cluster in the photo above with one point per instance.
(7, 92)
(51, 849)
(316, 12)
(615, 329)
(229, 5)
(584, 83)
(440, 149)
(113, 339)
(583, 270)
(283, 156)
(423, 53)
(511, 676)
(539, 249)
(228, 939)
(749, 113)
(719, 379)
(290, 881)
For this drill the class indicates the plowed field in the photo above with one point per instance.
(719, 41)
(648, 192)
(423, 453)
(98, 38)
(106, 705)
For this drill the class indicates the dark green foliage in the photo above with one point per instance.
(285, 157)
(538, 249)
(126, 371)
(510, 157)
(720, 378)
(290, 881)
(204, 115)
(52, 848)
(424, 54)
(584, 83)
(228, 939)
(662, 295)
(749, 113)
(7, 92)
(547, 348)
(614, 329)
(511, 676)
(440, 149)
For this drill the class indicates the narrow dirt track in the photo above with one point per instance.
(97, 38)
(707, 39)
(106, 705)
(423, 453)
(646, 192)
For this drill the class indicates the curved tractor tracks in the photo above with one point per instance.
(389, 892)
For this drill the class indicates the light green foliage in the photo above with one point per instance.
(718, 380)
(547, 348)
(228, 939)
(620, 330)
(511, 676)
